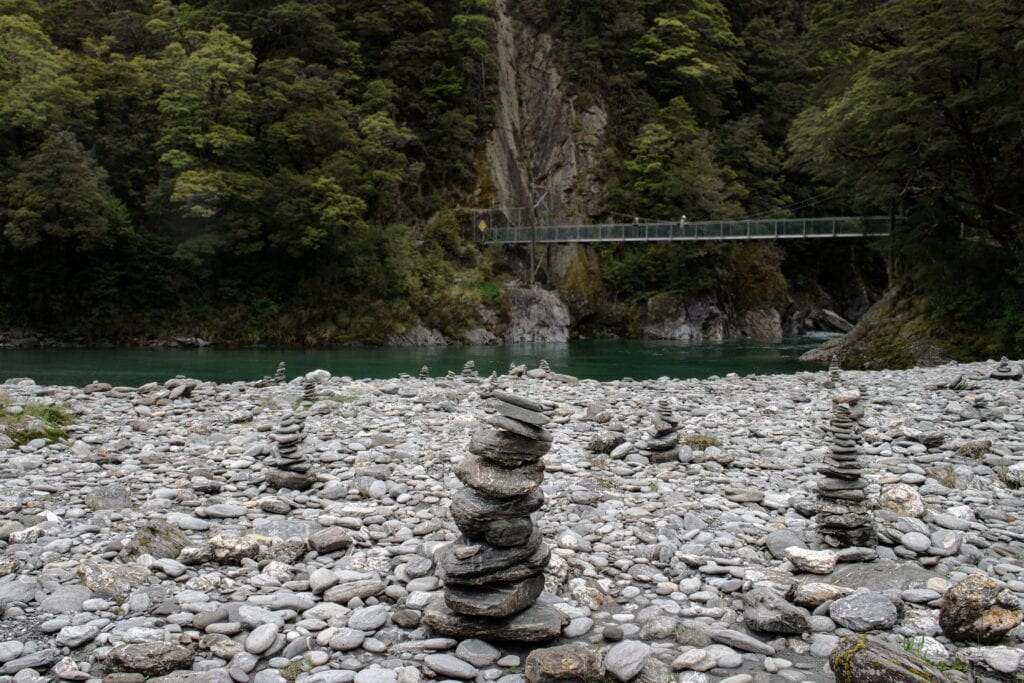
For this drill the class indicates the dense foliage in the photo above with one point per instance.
(285, 170)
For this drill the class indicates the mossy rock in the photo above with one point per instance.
(860, 659)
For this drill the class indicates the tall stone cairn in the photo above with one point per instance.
(279, 374)
(664, 445)
(290, 469)
(494, 572)
(424, 372)
(469, 369)
(844, 518)
(544, 365)
(834, 371)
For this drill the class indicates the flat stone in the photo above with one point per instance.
(778, 541)
(330, 540)
(864, 611)
(505, 532)
(741, 641)
(767, 611)
(538, 623)
(111, 580)
(65, 600)
(40, 659)
(75, 636)
(156, 538)
(491, 564)
(261, 638)
(812, 561)
(368, 618)
(506, 448)
(151, 659)
(497, 564)
(343, 592)
(496, 481)
(518, 413)
(469, 507)
(520, 428)
(626, 659)
(498, 600)
(450, 666)
(517, 400)
(477, 652)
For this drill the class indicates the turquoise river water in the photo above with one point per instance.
(600, 360)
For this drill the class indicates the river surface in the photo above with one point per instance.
(600, 360)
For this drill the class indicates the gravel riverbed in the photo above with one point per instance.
(147, 543)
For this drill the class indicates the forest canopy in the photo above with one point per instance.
(287, 170)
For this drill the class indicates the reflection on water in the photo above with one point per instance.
(600, 360)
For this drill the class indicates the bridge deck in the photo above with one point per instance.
(763, 229)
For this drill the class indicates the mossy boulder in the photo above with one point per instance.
(860, 659)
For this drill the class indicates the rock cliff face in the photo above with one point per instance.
(541, 140)
(537, 315)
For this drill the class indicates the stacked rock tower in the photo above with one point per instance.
(424, 372)
(1005, 371)
(469, 369)
(664, 446)
(279, 374)
(291, 469)
(494, 573)
(844, 518)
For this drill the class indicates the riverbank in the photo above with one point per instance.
(147, 536)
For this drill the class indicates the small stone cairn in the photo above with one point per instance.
(469, 369)
(279, 374)
(424, 372)
(1005, 371)
(664, 446)
(494, 573)
(309, 390)
(544, 365)
(290, 468)
(844, 518)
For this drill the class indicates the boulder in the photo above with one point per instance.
(567, 663)
(860, 659)
(977, 609)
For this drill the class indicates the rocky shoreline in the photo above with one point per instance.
(144, 541)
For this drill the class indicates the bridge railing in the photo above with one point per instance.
(775, 228)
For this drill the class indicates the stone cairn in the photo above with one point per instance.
(834, 371)
(664, 446)
(290, 468)
(424, 372)
(844, 518)
(544, 365)
(469, 369)
(494, 574)
(309, 390)
(279, 376)
(1005, 371)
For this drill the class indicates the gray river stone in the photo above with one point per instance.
(498, 600)
(498, 564)
(535, 418)
(864, 611)
(451, 667)
(626, 659)
(767, 611)
(520, 428)
(506, 532)
(497, 481)
(517, 400)
(538, 623)
(506, 448)
(470, 507)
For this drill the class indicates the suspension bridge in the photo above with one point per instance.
(495, 227)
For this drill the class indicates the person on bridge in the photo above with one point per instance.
(682, 220)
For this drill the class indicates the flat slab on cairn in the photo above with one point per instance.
(535, 625)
